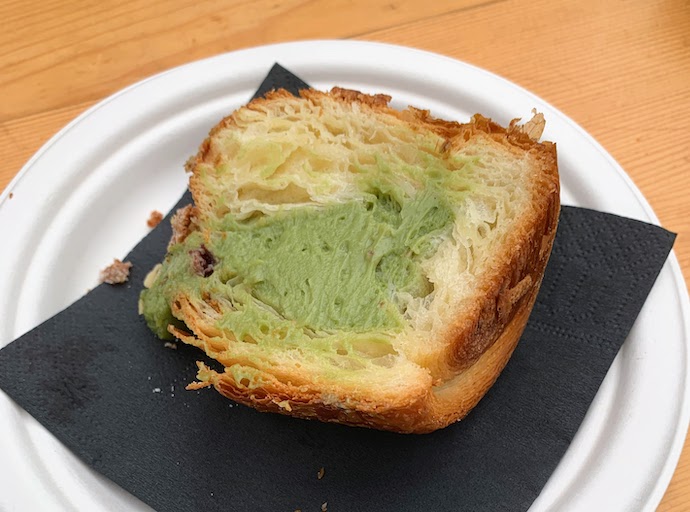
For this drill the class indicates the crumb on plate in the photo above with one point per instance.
(116, 273)
(155, 218)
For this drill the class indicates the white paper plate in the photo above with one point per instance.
(84, 197)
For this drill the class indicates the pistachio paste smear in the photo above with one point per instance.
(310, 271)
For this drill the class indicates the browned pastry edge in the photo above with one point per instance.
(479, 343)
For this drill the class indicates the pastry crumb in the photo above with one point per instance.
(284, 404)
(532, 128)
(116, 273)
(320, 474)
(11, 195)
(156, 390)
(155, 218)
(182, 222)
(172, 346)
(324, 506)
(535, 126)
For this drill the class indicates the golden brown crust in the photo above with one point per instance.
(482, 340)
(518, 268)
(350, 96)
(435, 408)
(276, 396)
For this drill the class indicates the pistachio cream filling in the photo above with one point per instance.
(313, 269)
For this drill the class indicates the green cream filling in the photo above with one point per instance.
(332, 275)
(310, 271)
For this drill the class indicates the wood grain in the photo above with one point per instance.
(621, 69)
(58, 53)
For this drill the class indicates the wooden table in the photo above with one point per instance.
(621, 69)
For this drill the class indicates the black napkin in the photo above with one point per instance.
(97, 378)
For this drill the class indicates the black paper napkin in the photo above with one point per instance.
(99, 380)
